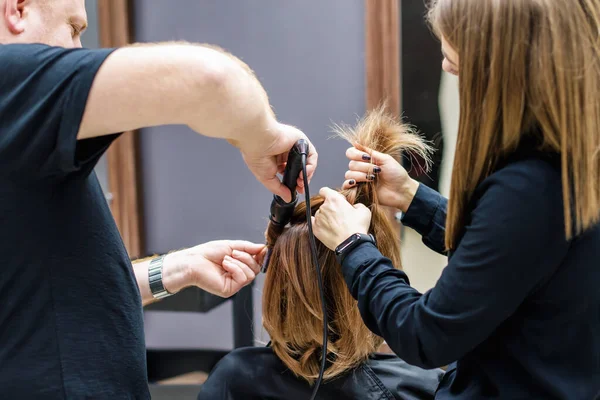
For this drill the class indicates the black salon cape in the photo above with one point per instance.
(518, 305)
(256, 373)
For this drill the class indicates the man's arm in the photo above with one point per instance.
(220, 267)
(211, 91)
(177, 83)
(175, 276)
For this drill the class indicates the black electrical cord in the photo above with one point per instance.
(313, 247)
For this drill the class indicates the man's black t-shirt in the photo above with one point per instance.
(71, 322)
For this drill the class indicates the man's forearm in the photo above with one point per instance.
(207, 89)
(175, 276)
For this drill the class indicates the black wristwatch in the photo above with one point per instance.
(354, 240)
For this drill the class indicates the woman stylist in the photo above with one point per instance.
(517, 310)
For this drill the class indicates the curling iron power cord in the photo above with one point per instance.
(313, 247)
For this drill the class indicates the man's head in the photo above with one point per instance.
(52, 22)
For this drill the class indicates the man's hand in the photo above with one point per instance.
(207, 89)
(220, 267)
(337, 219)
(266, 159)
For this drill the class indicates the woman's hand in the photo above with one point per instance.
(220, 267)
(394, 189)
(337, 219)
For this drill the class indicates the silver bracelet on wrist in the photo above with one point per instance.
(156, 280)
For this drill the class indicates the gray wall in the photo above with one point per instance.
(309, 56)
(90, 38)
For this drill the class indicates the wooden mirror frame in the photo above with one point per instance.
(124, 184)
(382, 54)
(382, 59)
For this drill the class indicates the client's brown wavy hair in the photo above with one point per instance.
(291, 304)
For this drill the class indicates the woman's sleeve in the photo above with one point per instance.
(515, 239)
(427, 216)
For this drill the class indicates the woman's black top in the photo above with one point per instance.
(256, 373)
(518, 305)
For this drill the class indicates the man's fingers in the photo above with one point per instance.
(311, 161)
(248, 273)
(260, 257)
(310, 170)
(276, 187)
(300, 184)
(236, 272)
(281, 168)
(247, 260)
(246, 247)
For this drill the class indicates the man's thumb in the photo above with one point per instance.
(247, 247)
(276, 187)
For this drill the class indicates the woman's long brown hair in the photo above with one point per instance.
(291, 304)
(526, 67)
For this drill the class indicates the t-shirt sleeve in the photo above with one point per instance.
(44, 91)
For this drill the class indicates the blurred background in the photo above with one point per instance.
(321, 62)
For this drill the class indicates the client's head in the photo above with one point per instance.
(291, 303)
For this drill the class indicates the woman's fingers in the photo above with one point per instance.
(364, 167)
(368, 155)
(361, 168)
(357, 155)
(358, 176)
(349, 184)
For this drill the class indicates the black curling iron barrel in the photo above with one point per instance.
(282, 211)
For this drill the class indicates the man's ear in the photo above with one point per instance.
(13, 15)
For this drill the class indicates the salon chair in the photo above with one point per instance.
(166, 364)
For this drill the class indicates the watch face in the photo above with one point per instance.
(347, 243)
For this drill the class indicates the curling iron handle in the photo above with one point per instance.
(293, 168)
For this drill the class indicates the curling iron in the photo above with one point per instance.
(281, 214)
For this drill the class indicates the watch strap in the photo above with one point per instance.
(351, 243)
(155, 278)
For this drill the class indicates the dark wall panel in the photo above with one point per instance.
(421, 75)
